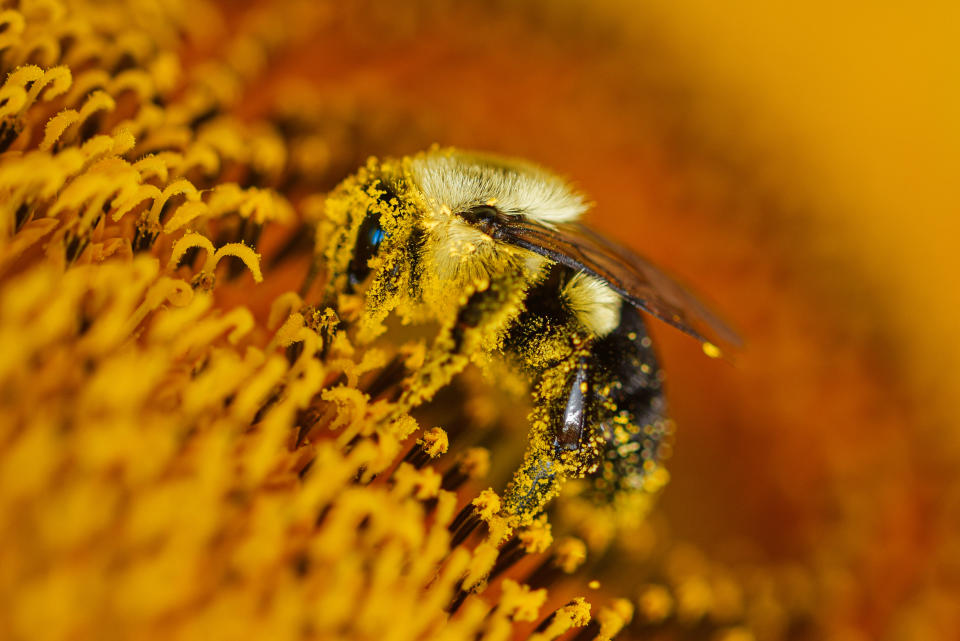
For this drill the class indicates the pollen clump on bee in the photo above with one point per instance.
(711, 350)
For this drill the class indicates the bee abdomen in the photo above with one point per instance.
(630, 391)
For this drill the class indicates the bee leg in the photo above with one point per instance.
(536, 482)
(485, 313)
(562, 445)
(572, 427)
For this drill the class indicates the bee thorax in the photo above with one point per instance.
(593, 303)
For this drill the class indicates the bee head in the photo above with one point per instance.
(367, 213)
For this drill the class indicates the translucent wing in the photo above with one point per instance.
(633, 277)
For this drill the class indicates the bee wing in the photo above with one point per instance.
(637, 280)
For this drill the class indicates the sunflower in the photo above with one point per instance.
(190, 448)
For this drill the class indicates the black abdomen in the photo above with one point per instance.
(633, 419)
(612, 408)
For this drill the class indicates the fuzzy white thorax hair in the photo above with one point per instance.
(457, 180)
(593, 303)
(451, 182)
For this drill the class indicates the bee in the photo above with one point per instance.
(488, 252)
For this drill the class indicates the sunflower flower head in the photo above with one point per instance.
(188, 448)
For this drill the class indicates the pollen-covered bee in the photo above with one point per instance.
(489, 251)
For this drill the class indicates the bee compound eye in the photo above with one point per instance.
(369, 238)
(375, 236)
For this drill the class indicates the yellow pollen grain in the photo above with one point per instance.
(520, 602)
(536, 537)
(435, 442)
(487, 504)
(711, 350)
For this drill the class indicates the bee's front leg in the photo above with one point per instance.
(480, 320)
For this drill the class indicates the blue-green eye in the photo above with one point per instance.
(369, 237)
(376, 236)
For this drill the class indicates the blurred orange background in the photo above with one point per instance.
(797, 166)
